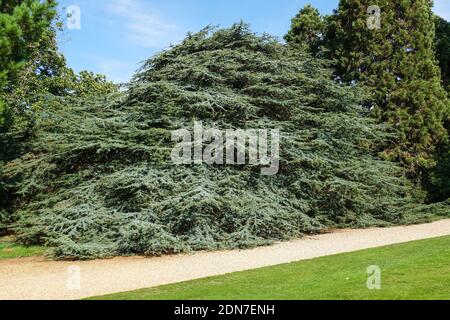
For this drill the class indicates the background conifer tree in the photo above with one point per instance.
(439, 177)
(307, 29)
(443, 48)
(397, 62)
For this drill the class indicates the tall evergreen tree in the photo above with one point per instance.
(439, 177)
(443, 48)
(397, 62)
(307, 29)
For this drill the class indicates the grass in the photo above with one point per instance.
(415, 270)
(9, 250)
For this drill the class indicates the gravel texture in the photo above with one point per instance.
(37, 278)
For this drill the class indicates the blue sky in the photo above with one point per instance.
(116, 35)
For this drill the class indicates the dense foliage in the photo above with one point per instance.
(398, 63)
(45, 73)
(98, 180)
(439, 177)
(307, 28)
(443, 48)
(32, 72)
(21, 25)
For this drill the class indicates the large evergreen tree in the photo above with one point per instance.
(443, 48)
(99, 181)
(397, 62)
(439, 177)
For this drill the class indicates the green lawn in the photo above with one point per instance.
(9, 250)
(416, 270)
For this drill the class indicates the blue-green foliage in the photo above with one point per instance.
(99, 180)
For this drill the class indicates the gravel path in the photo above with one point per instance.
(36, 278)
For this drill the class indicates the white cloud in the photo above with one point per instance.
(143, 26)
(442, 8)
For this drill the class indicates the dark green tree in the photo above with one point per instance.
(443, 48)
(397, 62)
(22, 24)
(307, 29)
(439, 177)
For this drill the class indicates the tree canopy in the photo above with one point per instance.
(443, 48)
(307, 28)
(396, 61)
(21, 25)
(98, 181)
